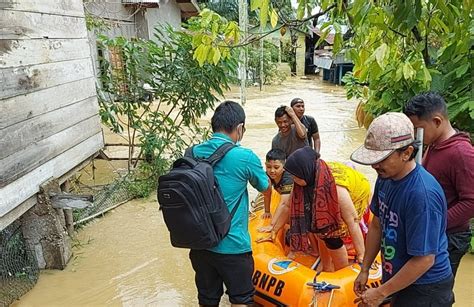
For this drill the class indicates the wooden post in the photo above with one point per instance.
(68, 217)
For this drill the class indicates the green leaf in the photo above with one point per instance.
(217, 56)
(197, 39)
(380, 54)
(399, 73)
(215, 29)
(337, 42)
(274, 18)
(408, 71)
(264, 10)
(255, 4)
(322, 37)
(387, 97)
(301, 9)
(437, 83)
(462, 70)
(427, 75)
(210, 54)
(201, 54)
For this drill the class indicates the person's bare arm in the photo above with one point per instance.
(300, 128)
(267, 198)
(349, 215)
(279, 219)
(316, 142)
(282, 214)
(372, 247)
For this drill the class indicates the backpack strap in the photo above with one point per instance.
(189, 152)
(220, 153)
(216, 157)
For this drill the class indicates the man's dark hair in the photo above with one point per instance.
(416, 147)
(295, 101)
(425, 105)
(227, 117)
(280, 111)
(276, 154)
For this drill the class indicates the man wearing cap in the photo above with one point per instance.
(409, 221)
(309, 122)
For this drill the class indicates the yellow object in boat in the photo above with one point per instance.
(280, 281)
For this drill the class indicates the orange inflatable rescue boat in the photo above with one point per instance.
(280, 281)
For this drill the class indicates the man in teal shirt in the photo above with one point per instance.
(230, 262)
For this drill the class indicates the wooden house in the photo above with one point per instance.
(49, 122)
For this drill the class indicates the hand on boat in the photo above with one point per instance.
(265, 239)
(267, 228)
(360, 284)
(372, 297)
(266, 215)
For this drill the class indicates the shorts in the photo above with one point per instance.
(438, 294)
(214, 269)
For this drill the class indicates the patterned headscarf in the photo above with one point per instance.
(314, 207)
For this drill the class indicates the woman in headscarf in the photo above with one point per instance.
(314, 208)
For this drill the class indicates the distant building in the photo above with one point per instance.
(136, 18)
(333, 67)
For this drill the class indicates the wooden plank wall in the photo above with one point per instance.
(49, 119)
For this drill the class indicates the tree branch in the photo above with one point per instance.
(317, 15)
(397, 32)
(426, 56)
(291, 23)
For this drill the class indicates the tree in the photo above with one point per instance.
(158, 130)
(399, 48)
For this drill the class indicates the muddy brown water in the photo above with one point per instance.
(125, 258)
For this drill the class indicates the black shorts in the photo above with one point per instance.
(439, 294)
(213, 270)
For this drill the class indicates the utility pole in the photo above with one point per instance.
(243, 18)
(262, 76)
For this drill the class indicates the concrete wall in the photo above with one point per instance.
(168, 13)
(300, 54)
(120, 17)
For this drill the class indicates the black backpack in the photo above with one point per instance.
(193, 207)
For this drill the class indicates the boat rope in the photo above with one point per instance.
(330, 298)
(316, 263)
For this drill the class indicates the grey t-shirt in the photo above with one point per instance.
(289, 143)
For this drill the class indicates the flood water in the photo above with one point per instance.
(125, 258)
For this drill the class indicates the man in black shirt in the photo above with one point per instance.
(309, 122)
